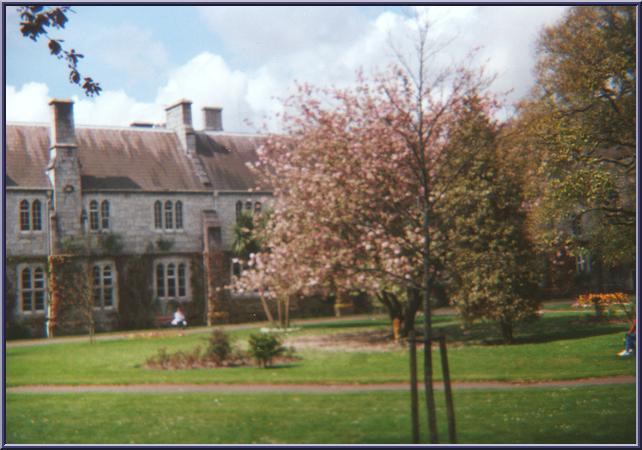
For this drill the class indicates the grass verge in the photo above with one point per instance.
(580, 415)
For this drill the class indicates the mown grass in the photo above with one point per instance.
(559, 346)
(581, 415)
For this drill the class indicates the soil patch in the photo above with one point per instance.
(357, 341)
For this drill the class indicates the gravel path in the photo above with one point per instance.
(306, 388)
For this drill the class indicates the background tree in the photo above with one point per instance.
(489, 257)
(35, 22)
(578, 129)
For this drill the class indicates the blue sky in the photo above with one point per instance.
(245, 57)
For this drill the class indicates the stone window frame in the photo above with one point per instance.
(181, 276)
(99, 215)
(32, 289)
(101, 286)
(166, 211)
(30, 215)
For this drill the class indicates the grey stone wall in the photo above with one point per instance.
(25, 243)
(132, 217)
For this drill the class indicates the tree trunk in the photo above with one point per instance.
(507, 330)
(266, 309)
(396, 314)
(428, 371)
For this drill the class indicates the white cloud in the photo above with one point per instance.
(322, 46)
(28, 104)
(208, 81)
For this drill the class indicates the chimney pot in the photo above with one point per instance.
(213, 118)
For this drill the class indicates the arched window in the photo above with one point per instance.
(32, 289)
(104, 213)
(182, 291)
(169, 222)
(248, 205)
(93, 215)
(36, 215)
(103, 286)
(108, 289)
(171, 280)
(24, 215)
(158, 215)
(257, 207)
(239, 209)
(160, 280)
(179, 215)
(27, 293)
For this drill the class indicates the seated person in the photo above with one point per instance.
(629, 341)
(179, 318)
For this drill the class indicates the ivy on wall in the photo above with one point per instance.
(216, 275)
(71, 301)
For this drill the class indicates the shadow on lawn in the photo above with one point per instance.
(546, 329)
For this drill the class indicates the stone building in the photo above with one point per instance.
(127, 220)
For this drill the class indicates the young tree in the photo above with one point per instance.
(579, 130)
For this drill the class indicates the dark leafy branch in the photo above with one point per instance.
(36, 20)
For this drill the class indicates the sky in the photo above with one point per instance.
(246, 59)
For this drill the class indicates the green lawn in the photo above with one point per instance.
(559, 346)
(582, 415)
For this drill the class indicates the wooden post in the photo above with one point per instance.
(414, 397)
(450, 410)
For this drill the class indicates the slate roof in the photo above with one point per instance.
(133, 159)
(225, 157)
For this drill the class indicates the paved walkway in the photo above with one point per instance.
(306, 388)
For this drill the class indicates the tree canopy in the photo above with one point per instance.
(579, 127)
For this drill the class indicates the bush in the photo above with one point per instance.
(219, 345)
(264, 347)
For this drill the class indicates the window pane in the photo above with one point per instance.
(160, 281)
(181, 281)
(26, 279)
(39, 278)
(171, 280)
(158, 215)
(248, 205)
(108, 298)
(24, 215)
(93, 215)
(36, 215)
(40, 300)
(239, 209)
(26, 301)
(179, 215)
(104, 212)
(169, 223)
(257, 207)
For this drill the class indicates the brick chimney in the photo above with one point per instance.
(213, 118)
(64, 170)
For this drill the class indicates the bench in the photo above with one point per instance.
(160, 321)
